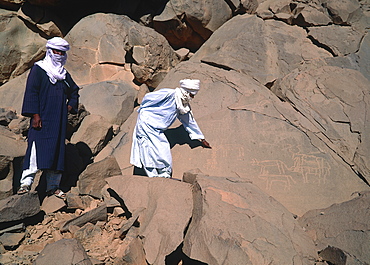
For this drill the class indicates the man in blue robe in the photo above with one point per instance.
(50, 94)
(158, 110)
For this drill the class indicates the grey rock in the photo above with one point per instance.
(364, 54)
(11, 240)
(92, 179)
(344, 225)
(65, 251)
(18, 207)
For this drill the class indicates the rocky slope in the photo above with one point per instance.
(284, 102)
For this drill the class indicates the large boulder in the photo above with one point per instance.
(234, 222)
(102, 44)
(112, 100)
(190, 23)
(336, 102)
(345, 226)
(254, 135)
(266, 51)
(166, 210)
(21, 47)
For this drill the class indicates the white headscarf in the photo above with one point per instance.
(182, 94)
(53, 64)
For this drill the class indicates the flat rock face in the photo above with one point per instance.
(345, 226)
(112, 100)
(341, 40)
(249, 227)
(65, 251)
(18, 207)
(167, 210)
(281, 49)
(340, 116)
(92, 60)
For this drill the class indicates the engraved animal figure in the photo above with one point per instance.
(311, 167)
(274, 171)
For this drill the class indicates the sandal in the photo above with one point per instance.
(23, 189)
(60, 194)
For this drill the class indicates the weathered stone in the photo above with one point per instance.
(18, 207)
(340, 40)
(52, 204)
(95, 131)
(12, 92)
(189, 23)
(65, 251)
(251, 227)
(91, 61)
(339, 115)
(134, 254)
(311, 16)
(19, 125)
(92, 179)
(21, 46)
(341, 11)
(254, 135)
(112, 100)
(263, 58)
(11, 239)
(15, 228)
(166, 213)
(364, 56)
(345, 226)
(92, 216)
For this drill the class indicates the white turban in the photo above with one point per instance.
(53, 64)
(57, 43)
(190, 85)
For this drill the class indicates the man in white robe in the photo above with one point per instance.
(158, 110)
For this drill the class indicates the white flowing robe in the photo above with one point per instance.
(158, 111)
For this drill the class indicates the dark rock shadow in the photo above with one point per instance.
(180, 136)
(178, 255)
(77, 158)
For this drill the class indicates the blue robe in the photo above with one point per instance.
(157, 112)
(50, 101)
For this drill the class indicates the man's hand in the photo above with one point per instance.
(69, 108)
(205, 144)
(36, 121)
